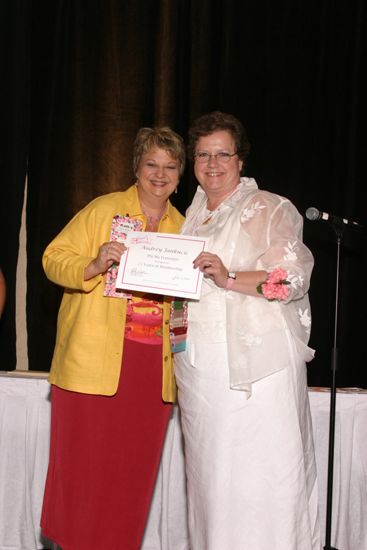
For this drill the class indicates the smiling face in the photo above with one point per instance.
(217, 178)
(158, 174)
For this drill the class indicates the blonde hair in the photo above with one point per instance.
(163, 138)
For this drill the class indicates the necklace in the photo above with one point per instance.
(152, 221)
(205, 215)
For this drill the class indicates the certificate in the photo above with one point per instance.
(161, 263)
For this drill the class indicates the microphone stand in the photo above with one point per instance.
(339, 231)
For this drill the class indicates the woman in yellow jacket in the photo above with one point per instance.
(111, 372)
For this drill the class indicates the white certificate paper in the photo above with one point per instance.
(161, 263)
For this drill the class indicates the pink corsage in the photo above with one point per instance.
(275, 287)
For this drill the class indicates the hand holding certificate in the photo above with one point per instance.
(161, 263)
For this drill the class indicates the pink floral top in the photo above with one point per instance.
(144, 316)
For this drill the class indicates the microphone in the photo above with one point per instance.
(313, 214)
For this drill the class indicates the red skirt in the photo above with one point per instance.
(104, 457)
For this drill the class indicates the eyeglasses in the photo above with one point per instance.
(204, 157)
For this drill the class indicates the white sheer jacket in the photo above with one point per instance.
(252, 230)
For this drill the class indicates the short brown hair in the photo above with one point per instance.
(216, 121)
(163, 138)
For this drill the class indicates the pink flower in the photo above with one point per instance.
(278, 275)
(275, 286)
(275, 291)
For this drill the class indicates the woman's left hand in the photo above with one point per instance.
(212, 267)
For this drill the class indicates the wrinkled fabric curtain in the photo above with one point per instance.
(14, 145)
(78, 80)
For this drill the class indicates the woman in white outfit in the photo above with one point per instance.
(242, 379)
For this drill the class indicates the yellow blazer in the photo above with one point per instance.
(90, 327)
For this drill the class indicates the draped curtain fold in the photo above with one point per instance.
(14, 136)
(79, 80)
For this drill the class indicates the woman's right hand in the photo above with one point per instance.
(108, 254)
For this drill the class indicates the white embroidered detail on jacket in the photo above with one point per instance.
(249, 212)
(251, 339)
(295, 280)
(291, 255)
(305, 318)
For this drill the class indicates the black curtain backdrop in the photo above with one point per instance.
(79, 79)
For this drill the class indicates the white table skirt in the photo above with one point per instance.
(24, 443)
(24, 447)
(349, 509)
